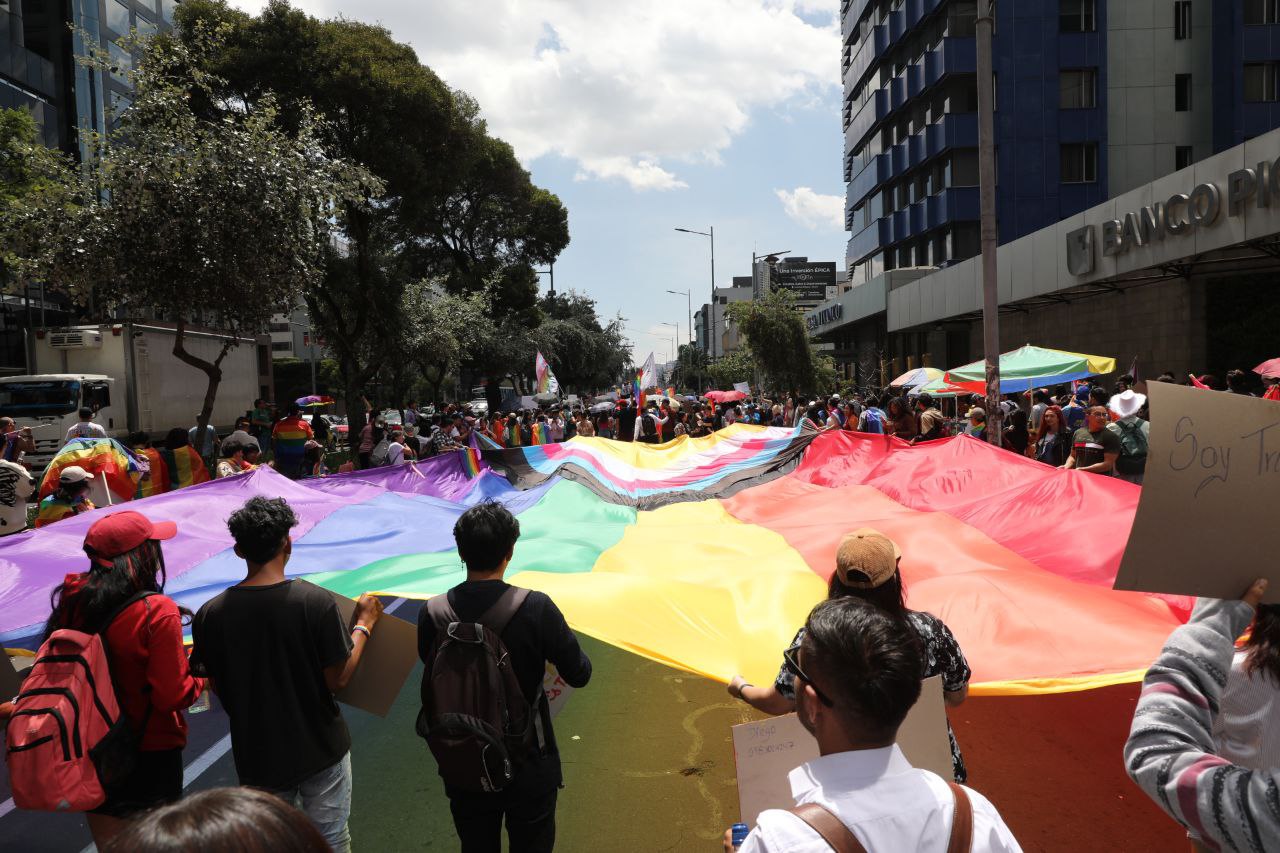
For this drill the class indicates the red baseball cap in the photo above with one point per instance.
(121, 532)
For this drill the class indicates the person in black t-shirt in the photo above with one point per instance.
(276, 650)
(486, 535)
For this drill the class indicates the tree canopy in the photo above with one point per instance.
(779, 343)
(225, 219)
(456, 207)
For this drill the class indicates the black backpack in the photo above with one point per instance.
(648, 428)
(477, 723)
(378, 457)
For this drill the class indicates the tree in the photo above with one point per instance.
(441, 329)
(779, 341)
(37, 184)
(456, 207)
(691, 367)
(228, 220)
(733, 367)
(584, 353)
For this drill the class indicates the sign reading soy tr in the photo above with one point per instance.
(1181, 214)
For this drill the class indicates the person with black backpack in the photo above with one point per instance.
(1133, 431)
(484, 714)
(648, 426)
(98, 725)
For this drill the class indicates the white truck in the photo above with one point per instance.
(127, 373)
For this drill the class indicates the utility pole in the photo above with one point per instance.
(987, 182)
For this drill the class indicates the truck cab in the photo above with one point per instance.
(49, 403)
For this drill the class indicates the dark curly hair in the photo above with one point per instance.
(261, 528)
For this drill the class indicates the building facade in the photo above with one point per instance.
(39, 43)
(1175, 275)
(1096, 100)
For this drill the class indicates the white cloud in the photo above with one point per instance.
(814, 211)
(628, 91)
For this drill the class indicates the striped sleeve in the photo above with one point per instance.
(1170, 751)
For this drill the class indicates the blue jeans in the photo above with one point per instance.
(326, 799)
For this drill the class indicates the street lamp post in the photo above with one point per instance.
(711, 234)
(675, 326)
(693, 339)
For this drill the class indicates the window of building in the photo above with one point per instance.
(964, 167)
(282, 346)
(121, 62)
(1182, 20)
(1260, 81)
(1259, 12)
(1077, 88)
(1182, 157)
(1076, 16)
(962, 19)
(1079, 163)
(167, 8)
(118, 16)
(963, 94)
(966, 241)
(1182, 92)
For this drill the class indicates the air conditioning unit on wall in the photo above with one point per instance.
(76, 339)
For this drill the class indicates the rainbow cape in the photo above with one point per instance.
(538, 433)
(102, 457)
(170, 470)
(989, 543)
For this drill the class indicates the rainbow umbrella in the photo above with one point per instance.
(939, 388)
(1028, 367)
(917, 377)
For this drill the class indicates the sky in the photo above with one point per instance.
(647, 117)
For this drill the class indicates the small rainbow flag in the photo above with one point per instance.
(671, 392)
(471, 460)
(637, 390)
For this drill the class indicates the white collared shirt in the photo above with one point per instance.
(888, 804)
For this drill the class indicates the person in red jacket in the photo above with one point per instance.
(143, 641)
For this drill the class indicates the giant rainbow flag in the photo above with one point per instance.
(706, 553)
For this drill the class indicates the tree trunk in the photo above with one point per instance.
(211, 369)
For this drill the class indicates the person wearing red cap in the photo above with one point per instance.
(144, 645)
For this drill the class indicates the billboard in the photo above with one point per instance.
(807, 280)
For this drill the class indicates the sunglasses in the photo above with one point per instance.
(791, 660)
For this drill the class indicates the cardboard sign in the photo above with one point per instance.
(768, 750)
(1209, 494)
(557, 691)
(388, 658)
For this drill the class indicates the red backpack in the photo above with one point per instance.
(478, 724)
(69, 741)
